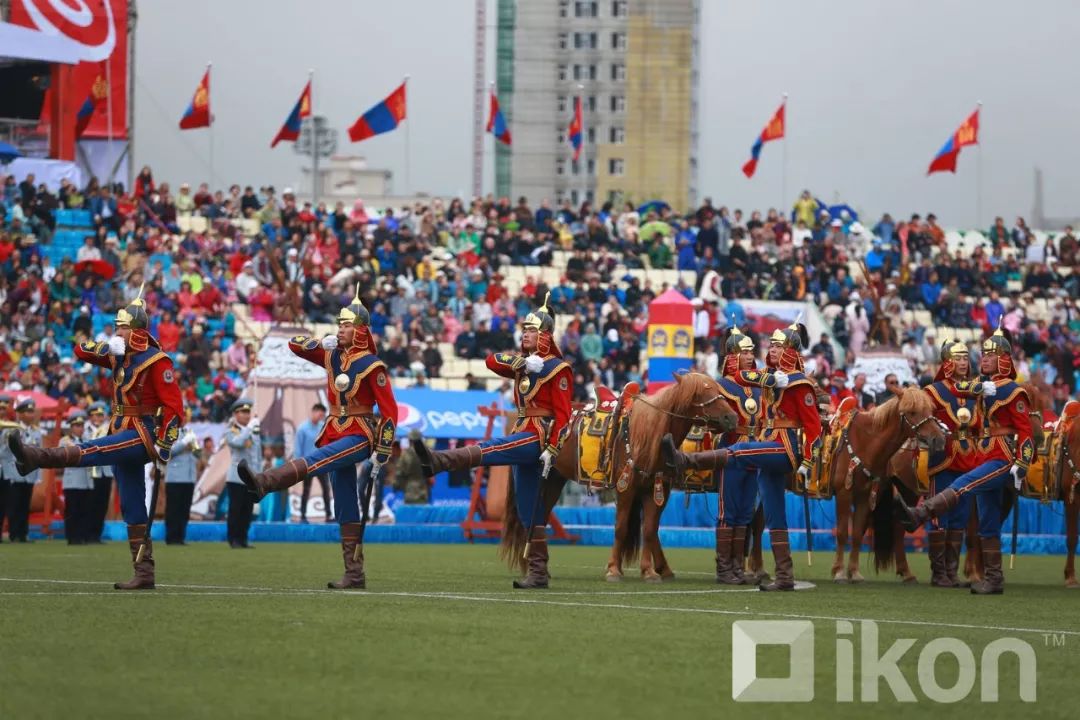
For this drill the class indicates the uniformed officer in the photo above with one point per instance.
(21, 491)
(245, 445)
(7, 460)
(78, 488)
(102, 475)
(180, 478)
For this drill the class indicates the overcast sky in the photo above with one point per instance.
(875, 86)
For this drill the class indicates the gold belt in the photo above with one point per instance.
(782, 425)
(134, 410)
(534, 412)
(351, 410)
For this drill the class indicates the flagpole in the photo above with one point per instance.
(108, 106)
(783, 171)
(210, 127)
(314, 144)
(978, 175)
(408, 155)
(494, 145)
(584, 146)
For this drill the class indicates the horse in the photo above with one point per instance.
(693, 399)
(889, 546)
(873, 436)
(1069, 492)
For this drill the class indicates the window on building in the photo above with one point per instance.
(562, 72)
(562, 103)
(590, 135)
(575, 167)
(564, 8)
(591, 165)
(586, 41)
(618, 71)
(584, 72)
(616, 166)
(590, 103)
(618, 8)
(618, 41)
(586, 9)
(613, 196)
(564, 41)
(560, 166)
(618, 103)
(617, 135)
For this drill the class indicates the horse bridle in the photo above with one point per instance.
(699, 419)
(915, 426)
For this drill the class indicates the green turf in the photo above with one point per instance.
(259, 637)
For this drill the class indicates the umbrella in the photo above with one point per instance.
(836, 210)
(8, 153)
(648, 230)
(653, 206)
(43, 401)
(97, 267)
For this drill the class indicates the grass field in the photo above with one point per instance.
(440, 633)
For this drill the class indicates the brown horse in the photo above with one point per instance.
(1070, 493)
(872, 439)
(693, 399)
(889, 547)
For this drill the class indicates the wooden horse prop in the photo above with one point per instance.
(635, 463)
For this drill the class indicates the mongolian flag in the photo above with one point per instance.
(384, 117)
(290, 131)
(966, 134)
(98, 91)
(773, 131)
(574, 131)
(197, 114)
(497, 122)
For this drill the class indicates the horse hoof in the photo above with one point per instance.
(909, 580)
(667, 576)
(613, 577)
(856, 577)
(653, 579)
(839, 578)
(1072, 584)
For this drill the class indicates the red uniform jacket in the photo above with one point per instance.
(142, 379)
(951, 398)
(797, 405)
(368, 384)
(1007, 418)
(546, 393)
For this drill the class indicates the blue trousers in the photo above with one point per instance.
(737, 493)
(770, 463)
(339, 459)
(522, 452)
(986, 483)
(957, 518)
(127, 456)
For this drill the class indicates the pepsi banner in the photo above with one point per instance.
(446, 414)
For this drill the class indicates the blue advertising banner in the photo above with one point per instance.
(445, 414)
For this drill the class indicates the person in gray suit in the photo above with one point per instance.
(78, 488)
(21, 490)
(97, 428)
(244, 443)
(7, 460)
(180, 478)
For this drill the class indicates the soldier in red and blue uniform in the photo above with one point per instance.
(147, 414)
(1005, 449)
(357, 381)
(790, 401)
(957, 407)
(542, 389)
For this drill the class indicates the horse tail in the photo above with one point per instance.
(632, 547)
(512, 545)
(883, 523)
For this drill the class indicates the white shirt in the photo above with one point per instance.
(701, 323)
(799, 236)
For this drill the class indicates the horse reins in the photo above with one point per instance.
(695, 419)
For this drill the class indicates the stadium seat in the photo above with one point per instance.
(184, 223)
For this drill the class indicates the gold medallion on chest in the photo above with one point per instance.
(341, 382)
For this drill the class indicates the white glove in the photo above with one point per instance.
(254, 425)
(546, 458)
(190, 438)
(781, 379)
(117, 346)
(329, 342)
(1018, 480)
(804, 472)
(534, 364)
(988, 389)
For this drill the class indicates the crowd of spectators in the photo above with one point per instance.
(436, 272)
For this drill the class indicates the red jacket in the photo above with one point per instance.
(548, 390)
(1007, 417)
(796, 407)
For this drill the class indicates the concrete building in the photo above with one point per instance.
(636, 64)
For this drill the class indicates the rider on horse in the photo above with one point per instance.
(1005, 450)
(791, 409)
(956, 406)
(543, 384)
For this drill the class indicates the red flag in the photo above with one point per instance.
(773, 131)
(574, 130)
(99, 91)
(290, 131)
(197, 114)
(385, 116)
(966, 134)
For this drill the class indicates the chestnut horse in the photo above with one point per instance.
(693, 399)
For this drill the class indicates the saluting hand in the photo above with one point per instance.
(329, 342)
(534, 364)
(988, 389)
(117, 346)
(781, 379)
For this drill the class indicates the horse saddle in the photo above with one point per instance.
(597, 426)
(819, 484)
(697, 440)
(1048, 468)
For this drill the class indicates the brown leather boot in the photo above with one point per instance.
(954, 539)
(537, 576)
(993, 582)
(435, 462)
(144, 566)
(724, 541)
(738, 556)
(279, 478)
(29, 458)
(352, 552)
(939, 576)
(785, 577)
(940, 504)
(680, 462)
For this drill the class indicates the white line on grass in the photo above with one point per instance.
(531, 601)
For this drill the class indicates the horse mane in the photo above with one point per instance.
(1038, 402)
(649, 423)
(910, 400)
(885, 414)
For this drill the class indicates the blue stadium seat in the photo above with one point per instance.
(74, 218)
(166, 260)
